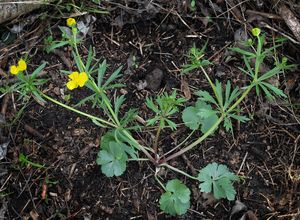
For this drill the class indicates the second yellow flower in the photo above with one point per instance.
(77, 79)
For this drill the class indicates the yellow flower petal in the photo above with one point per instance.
(14, 70)
(74, 75)
(82, 79)
(22, 66)
(71, 22)
(72, 85)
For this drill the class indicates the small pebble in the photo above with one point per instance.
(154, 79)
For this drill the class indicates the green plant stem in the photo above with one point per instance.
(156, 140)
(111, 111)
(212, 86)
(178, 171)
(138, 159)
(258, 57)
(160, 183)
(76, 49)
(179, 145)
(96, 89)
(211, 130)
(93, 83)
(245, 93)
(195, 143)
(139, 147)
(77, 111)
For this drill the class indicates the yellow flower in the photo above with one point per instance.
(256, 32)
(22, 66)
(71, 22)
(14, 70)
(77, 79)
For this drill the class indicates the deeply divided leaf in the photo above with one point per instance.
(176, 199)
(217, 178)
(112, 160)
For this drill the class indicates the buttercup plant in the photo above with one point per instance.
(118, 146)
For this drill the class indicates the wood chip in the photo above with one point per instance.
(291, 20)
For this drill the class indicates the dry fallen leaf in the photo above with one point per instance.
(238, 207)
(185, 89)
(34, 215)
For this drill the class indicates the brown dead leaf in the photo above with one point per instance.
(291, 82)
(249, 215)
(151, 217)
(210, 199)
(185, 89)
(68, 195)
(34, 215)
(291, 20)
(79, 132)
(237, 208)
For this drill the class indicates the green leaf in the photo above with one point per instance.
(101, 72)
(96, 122)
(240, 118)
(266, 91)
(202, 114)
(113, 76)
(206, 97)
(217, 178)
(56, 45)
(243, 52)
(38, 70)
(219, 93)
(118, 102)
(206, 122)
(275, 90)
(190, 118)
(150, 104)
(129, 116)
(112, 160)
(78, 62)
(171, 124)
(176, 199)
(227, 124)
(89, 59)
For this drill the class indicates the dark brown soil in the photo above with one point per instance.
(264, 151)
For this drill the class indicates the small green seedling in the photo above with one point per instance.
(166, 106)
(25, 162)
(222, 102)
(176, 199)
(195, 59)
(216, 178)
(260, 79)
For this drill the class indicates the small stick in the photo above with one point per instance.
(63, 57)
(243, 162)
(4, 104)
(189, 164)
(33, 131)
